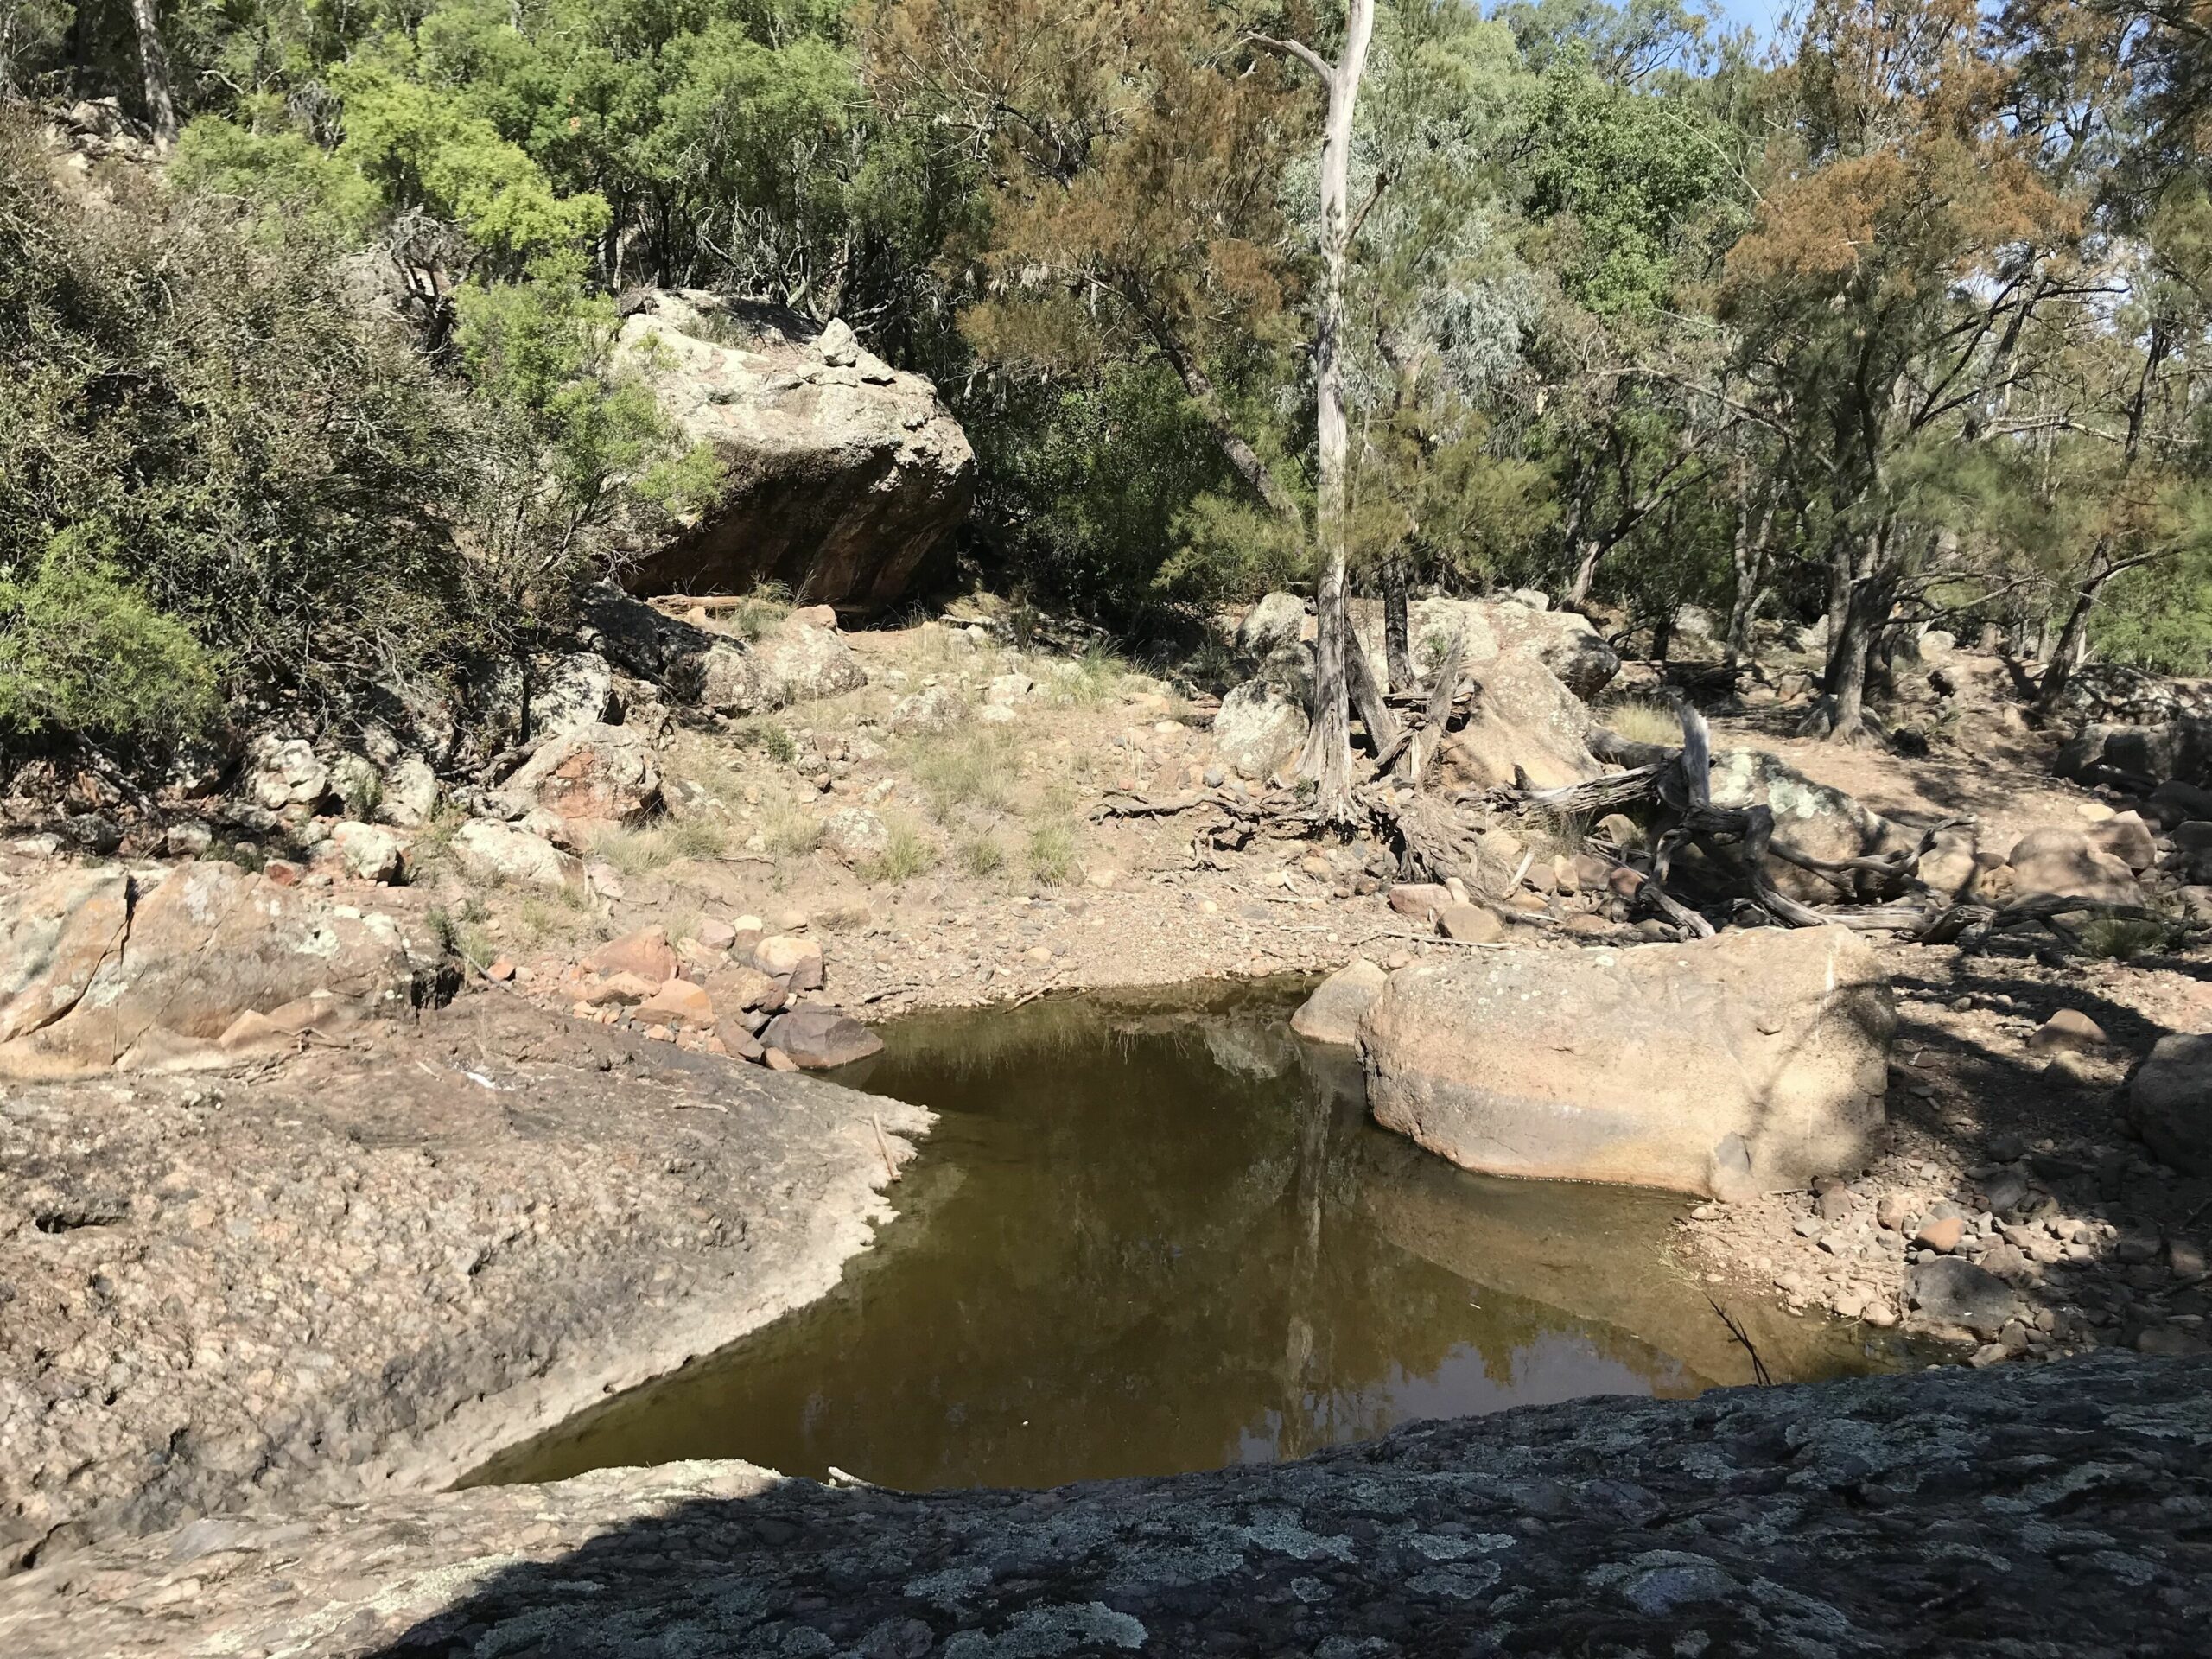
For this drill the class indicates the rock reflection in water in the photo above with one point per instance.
(1145, 1239)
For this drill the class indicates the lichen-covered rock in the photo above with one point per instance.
(933, 708)
(1734, 1065)
(1259, 728)
(2046, 1509)
(595, 774)
(408, 794)
(284, 772)
(1563, 641)
(1276, 624)
(841, 474)
(854, 834)
(491, 851)
(1808, 817)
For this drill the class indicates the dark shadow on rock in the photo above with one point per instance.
(2052, 1509)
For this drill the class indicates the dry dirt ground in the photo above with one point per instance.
(1001, 883)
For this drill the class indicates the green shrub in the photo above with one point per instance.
(83, 651)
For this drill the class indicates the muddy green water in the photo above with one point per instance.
(1156, 1235)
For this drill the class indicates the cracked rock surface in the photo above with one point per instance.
(363, 1269)
(2061, 1509)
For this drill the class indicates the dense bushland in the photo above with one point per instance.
(1899, 319)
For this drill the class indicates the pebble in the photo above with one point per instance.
(1941, 1234)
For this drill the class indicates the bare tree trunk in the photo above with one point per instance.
(1868, 594)
(1239, 453)
(1397, 628)
(1586, 570)
(1326, 763)
(1748, 553)
(154, 62)
(2072, 647)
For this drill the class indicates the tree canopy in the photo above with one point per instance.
(1894, 320)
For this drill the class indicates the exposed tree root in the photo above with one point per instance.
(1433, 834)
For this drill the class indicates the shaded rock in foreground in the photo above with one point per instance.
(2049, 1509)
(1742, 1063)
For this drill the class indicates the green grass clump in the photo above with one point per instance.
(1639, 721)
(973, 767)
(1094, 678)
(792, 834)
(2122, 938)
(981, 855)
(1051, 855)
(906, 854)
(770, 739)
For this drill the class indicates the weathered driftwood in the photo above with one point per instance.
(1432, 834)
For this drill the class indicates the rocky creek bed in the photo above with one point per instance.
(364, 1270)
(2054, 1510)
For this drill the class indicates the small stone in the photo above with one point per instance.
(1835, 1203)
(819, 1038)
(1469, 923)
(779, 1061)
(679, 1002)
(1420, 900)
(716, 935)
(1940, 1235)
(2186, 1257)
(798, 961)
(1891, 1213)
(283, 872)
(624, 990)
(646, 953)
(2067, 1031)
(500, 971)
(1807, 1227)
(2005, 1190)
(2067, 1067)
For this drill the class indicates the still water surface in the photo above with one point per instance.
(1156, 1235)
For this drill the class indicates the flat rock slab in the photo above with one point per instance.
(2053, 1509)
(367, 1270)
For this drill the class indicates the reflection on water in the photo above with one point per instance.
(1153, 1237)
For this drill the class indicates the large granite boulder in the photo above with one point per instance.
(372, 1266)
(1751, 1061)
(595, 774)
(2170, 1102)
(110, 967)
(841, 474)
(1563, 641)
(1525, 723)
(1259, 728)
(2060, 861)
(1809, 817)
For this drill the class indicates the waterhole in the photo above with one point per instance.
(1152, 1235)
